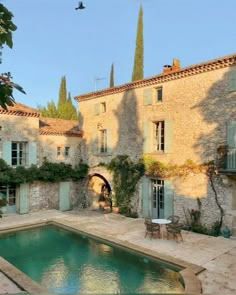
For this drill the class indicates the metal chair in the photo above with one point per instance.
(174, 219)
(151, 228)
(174, 230)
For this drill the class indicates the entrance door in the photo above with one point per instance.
(8, 194)
(158, 198)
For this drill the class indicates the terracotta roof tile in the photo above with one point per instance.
(19, 109)
(210, 65)
(53, 126)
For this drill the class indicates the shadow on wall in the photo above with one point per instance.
(125, 138)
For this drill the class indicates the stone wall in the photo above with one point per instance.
(199, 107)
(45, 196)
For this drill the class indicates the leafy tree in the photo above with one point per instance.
(112, 76)
(50, 110)
(138, 58)
(6, 85)
(64, 109)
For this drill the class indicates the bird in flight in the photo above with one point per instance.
(80, 5)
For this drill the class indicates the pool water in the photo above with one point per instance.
(67, 262)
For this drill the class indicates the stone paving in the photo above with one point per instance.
(217, 255)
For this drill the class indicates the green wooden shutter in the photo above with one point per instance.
(145, 197)
(168, 199)
(64, 196)
(24, 198)
(231, 134)
(146, 137)
(6, 152)
(32, 153)
(109, 143)
(168, 136)
(96, 109)
(232, 80)
(147, 96)
(95, 144)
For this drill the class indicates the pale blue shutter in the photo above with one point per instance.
(24, 198)
(109, 143)
(96, 109)
(32, 153)
(6, 152)
(232, 80)
(231, 134)
(231, 142)
(146, 137)
(145, 197)
(168, 136)
(147, 96)
(95, 144)
(64, 196)
(168, 199)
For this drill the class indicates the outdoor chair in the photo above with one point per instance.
(151, 228)
(174, 219)
(174, 230)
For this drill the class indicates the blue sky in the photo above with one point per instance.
(53, 39)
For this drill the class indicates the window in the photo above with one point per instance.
(159, 94)
(159, 132)
(18, 153)
(67, 151)
(8, 193)
(58, 151)
(103, 141)
(103, 107)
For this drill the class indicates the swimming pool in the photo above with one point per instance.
(68, 262)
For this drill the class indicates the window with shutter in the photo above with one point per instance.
(147, 96)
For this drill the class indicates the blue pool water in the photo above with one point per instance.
(67, 262)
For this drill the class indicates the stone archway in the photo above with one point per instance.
(99, 183)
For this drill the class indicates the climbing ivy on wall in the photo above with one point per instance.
(126, 175)
(52, 172)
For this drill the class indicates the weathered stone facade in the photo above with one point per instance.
(199, 101)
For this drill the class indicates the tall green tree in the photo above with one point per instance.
(70, 110)
(6, 84)
(112, 76)
(64, 109)
(62, 97)
(138, 58)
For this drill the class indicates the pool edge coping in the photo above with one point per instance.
(192, 284)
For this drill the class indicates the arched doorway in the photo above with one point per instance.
(98, 189)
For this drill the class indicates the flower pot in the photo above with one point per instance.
(115, 209)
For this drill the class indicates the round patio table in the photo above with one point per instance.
(162, 223)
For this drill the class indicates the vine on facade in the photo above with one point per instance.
(52, 172)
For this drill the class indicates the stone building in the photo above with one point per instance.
(26, 138)
(183, 115)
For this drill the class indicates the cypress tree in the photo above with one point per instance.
(70, 110)
(138, 58)
(112, 76)
(62, 98)
(50, 110)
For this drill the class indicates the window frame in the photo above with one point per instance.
(67, 151)
(103, 146)
(159, 136)
(19, 153)
(159, 90)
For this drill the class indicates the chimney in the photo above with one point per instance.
(175, 64)
(167, 68)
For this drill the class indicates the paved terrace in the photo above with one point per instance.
(213, 258)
